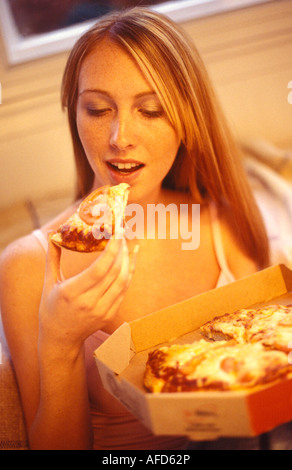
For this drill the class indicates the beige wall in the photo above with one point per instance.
(247, 52)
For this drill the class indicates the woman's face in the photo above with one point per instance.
(121, 123)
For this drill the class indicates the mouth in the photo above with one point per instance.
(125, 168)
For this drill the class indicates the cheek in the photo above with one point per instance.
(83, 132)
(91, 136)
(169, 146)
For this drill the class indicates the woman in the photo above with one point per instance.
(141, 110)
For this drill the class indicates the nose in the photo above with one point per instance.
(122, 132)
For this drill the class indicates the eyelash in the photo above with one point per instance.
(146, 113)
(151, 114)
(96, 112)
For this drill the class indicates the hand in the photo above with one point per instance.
(73, 309)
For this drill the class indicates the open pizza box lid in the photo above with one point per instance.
(204, 415)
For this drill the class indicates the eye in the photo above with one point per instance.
(151, 113)
(98, 112)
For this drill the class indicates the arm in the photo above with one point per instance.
(46, 323)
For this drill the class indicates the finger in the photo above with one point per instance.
(111, 309)
(114, 295)
(118, 273)
(52, 271)
(119, 232)
(125, 268)
(105, 266)
(111, 301)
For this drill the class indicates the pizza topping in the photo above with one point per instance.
(228, 364)
(252, 325)
(96, 220)
(258, 354)
(234, 367)
(89, 211)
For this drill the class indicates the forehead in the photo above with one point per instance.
(110, 66)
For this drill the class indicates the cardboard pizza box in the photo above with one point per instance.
(204, 415)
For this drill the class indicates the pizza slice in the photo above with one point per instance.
(228, 367)
(99, 216)
(271, 325)
(229, 326)
(164, 362)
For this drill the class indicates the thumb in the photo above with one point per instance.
(52, 273)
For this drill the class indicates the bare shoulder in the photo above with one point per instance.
(238, 260)
(22, 259)
(22, 267)
(22, 264)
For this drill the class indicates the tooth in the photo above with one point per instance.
(125, 166)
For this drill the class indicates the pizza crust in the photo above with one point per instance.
(164, 363)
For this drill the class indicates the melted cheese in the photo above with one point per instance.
(95, 220)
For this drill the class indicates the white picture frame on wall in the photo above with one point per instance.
(22, 49)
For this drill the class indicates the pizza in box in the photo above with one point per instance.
(238, 351)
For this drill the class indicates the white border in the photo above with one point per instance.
(20, 49)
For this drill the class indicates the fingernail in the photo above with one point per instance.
(136, 249)
(135, 253)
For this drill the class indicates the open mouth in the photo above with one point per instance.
(125, 168)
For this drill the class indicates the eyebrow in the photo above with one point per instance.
(103, 92)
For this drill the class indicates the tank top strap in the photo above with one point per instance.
(225, 274)
(41, 239)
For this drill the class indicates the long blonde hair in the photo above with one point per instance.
(208, 164)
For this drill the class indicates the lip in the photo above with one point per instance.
(124, 160)
(118, 177)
